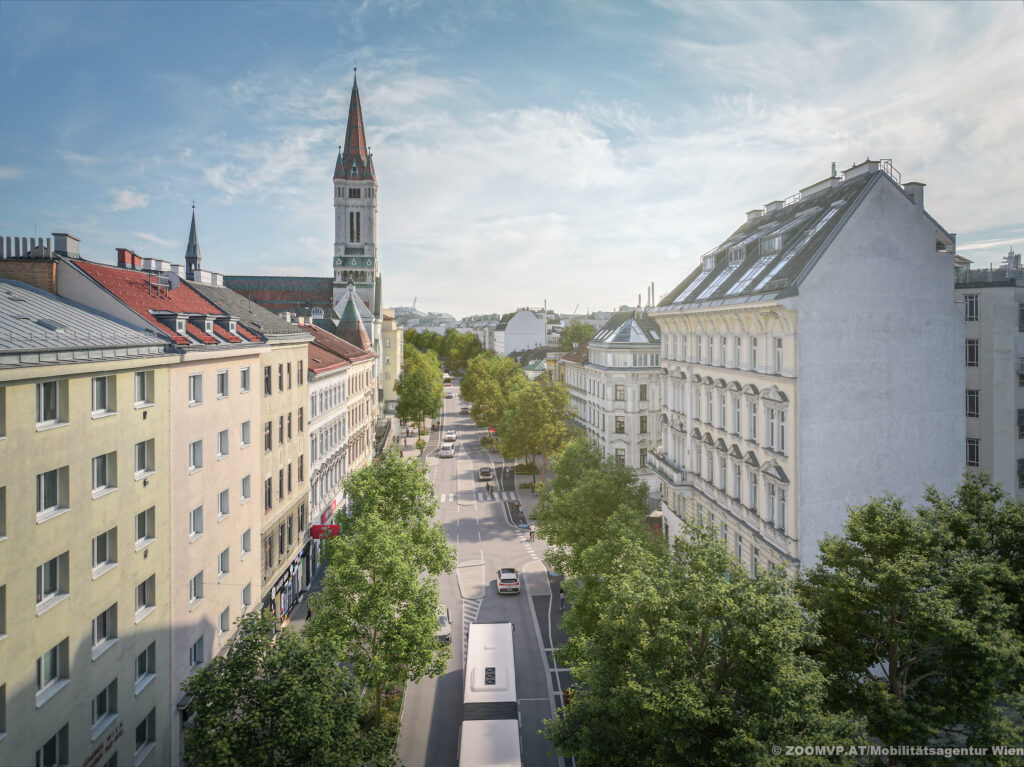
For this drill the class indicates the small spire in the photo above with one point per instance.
(192, 254)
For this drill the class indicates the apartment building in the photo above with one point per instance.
(85, 531)
(361, 405)
(811, 361)
(393, 358)
(519, 330)
(993, 302)
(614, 383)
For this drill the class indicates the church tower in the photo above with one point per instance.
(355, 215)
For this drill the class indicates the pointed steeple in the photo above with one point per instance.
(192, 255)
(350, 324)
(354, 158)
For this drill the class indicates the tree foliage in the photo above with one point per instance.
(420, 389)
(918, 635)
(282, 702)
(535, 422)
(573, 334)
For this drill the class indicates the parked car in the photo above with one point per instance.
(449, 436)
(486, 474)
(444, 625)
(464, 409)
(508, 581)
(447, 450)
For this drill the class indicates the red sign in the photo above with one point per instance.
(323, 531)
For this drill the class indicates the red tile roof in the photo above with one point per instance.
(226, 335)
(198, 334)
(246, 334)
(327, 346)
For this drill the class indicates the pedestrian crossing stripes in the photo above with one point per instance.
(504, 495)
(470, 611)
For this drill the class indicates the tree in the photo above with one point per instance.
(379, 602)
(918, 637)
(420, 389)
(574, 333)
(535, 422)
(694, 661)
(281, 702)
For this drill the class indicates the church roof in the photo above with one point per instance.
(354, 317)
(354, 160)
(265, 322)
(285, 294)
(192, 255)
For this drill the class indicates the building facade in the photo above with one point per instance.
(520, 330)
(393, 353)
(807, 366)
(993, 301)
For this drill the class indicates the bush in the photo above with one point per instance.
(420, 444)
(527, 468)
(486, 441)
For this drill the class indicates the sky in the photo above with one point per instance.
(528, 153)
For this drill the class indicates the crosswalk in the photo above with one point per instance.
(480, 495)
(470, 611)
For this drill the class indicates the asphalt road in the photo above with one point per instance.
(482, 530)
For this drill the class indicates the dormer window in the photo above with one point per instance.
(209, 325)
(771, 245)
(737, 254)
(709, 263)
(179, 325)
(233, 326)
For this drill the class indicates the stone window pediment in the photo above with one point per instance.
(751, 460)
(774, 395)
(773, 470)
(736, 453)
(734, 386)
(720, 383)
(720, 445)
(750, 389)
(708, 439)
(696, 434)
(696, 378)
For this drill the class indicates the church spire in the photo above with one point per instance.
(192, 256)
(354, 158)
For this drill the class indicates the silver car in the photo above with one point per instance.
(444, 625)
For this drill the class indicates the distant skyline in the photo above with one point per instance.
(567, 152)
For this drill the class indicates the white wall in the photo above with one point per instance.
(524, 331)
(880, 368)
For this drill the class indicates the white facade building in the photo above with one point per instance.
(813, 360)
(523, 329)
(994, 365)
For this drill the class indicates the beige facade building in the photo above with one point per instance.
(809, 365)
(85, 521)
(392, 358)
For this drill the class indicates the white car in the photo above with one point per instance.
(447, 450)
(449, 436)
(508, 581)
(444, 626)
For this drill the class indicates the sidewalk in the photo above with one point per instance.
(301, 608)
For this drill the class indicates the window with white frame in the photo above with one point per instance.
(769, 501)
(51, 670)
(736, 415)
(973, 451)
(739, 548)
(643, 392)
(752, 434)
(103, 395)
(753, 489)
(54, 753)
(222, 383)
(780, 441)
(711, 350)
(51, 493)
(246, 543)
(737, 481)
(195, 523)
(247, 596)
(196, 653)
(143, 388)
(246, 487)
(104, 473)
(721, 410)
(145, 666)
(620, 392)
(104, 707)
(755, 557)
(144, 458)
(195, 589)
(972, 355)
(697, 452)
(145, 527)
(700, 348)
(620, 424)
(104, 629)
(224, 563)
(223, 443)
(722, 475)
(195, 389)
(145, 598)
(710, 408)
(195, 456)
(246, 433)
(225, 620)
(753, 353)
(51, 582)
(780, 508)
(51, 402)
(104, 552)
(620, 456)
(245, 380)
(971, 307)
(223, 503)
(738, 352)
(973, 403)
(145, 734)
(769, 428)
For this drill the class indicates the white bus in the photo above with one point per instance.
(490, 708)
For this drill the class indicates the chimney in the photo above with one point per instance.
(127, 259)
(915, 191)
(833, 170)
(755, 213)
(773, 206)
(65, 244)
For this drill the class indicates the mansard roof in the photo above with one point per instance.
(632, 327)
(772, 251)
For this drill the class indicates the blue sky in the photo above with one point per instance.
(526, 151)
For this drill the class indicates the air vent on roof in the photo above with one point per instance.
(17, 298)
(52, 324)
(490, 676)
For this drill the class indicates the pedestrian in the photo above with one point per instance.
(561, 598)
(533, 531)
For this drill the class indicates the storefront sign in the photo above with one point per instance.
(320, 532)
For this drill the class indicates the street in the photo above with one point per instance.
(482, 529)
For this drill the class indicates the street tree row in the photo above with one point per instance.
(455, 349)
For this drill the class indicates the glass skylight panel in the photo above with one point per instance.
(799, 246)
(751, 274)
(718, 280)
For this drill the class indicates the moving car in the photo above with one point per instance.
(464, 409)
(449, 436)
(486, 474)
(508, 581)
(444, 625)
(448, 395)
(447, 450)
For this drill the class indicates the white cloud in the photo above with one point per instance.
(127, 199)
(6, 174)
(149, 237)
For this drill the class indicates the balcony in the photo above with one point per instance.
(669, 472)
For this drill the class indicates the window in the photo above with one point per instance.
(971, 307)
(51, 403)
(711, 350)
(643, 424)
(1020, 435)
(144, 458)
(620, 456)
(268, 436)
(973, 451)
(973, 403)
(289, 478)
(223, 446)
(104, 552)
(222, 383)
(643, 457)
(51, 671)
(223, 503)
(104, 473)
(769, 428)
(51, 582)
(246, 488)
(144, 528)
(280, 377)
(754, 561)
(246, 543)
(620, 424)
(739, 547)
(301, 514)
(266, 381)
(104, 630)
(195, 456)
(268, 493)
(145, 598)
(280, 484)
(736, 415)
(722, 477)
(289, 426)
(778, 355)
(620, 392)
(972, 352)
(55, 751)
(223, 563)
(3, 517)
(753, 490)
(299, 377)
(781, 441)
(104, 707)
(300, 421)
(780, 511)
(145, 735)
(753, 422)
(145, 667)
(103, 399)
(280, 540)
(195, 523)
(268, 552)
(1020, 472)
(737, 482)
(195, 389)
(643, 392)
(353, 227)
(247, 596)
(244, 382)
(3, 628)
(721, 411)
(143, 388)
(195, 589)
(353, 192)
(280, 430)
(753, 354)
(51, 493)
(225, 620)
(289, 375)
